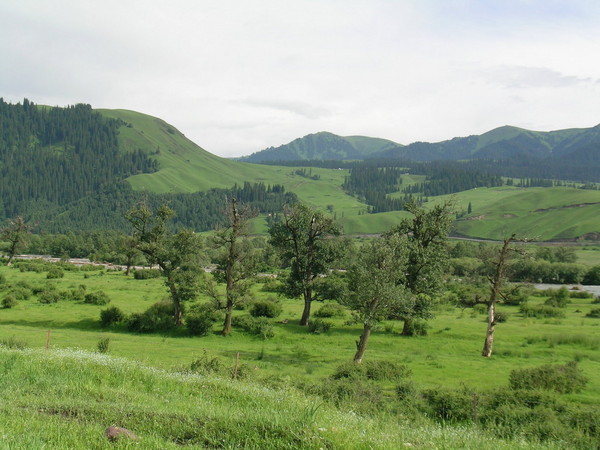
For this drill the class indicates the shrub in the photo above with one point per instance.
(501, 317)
(200, 318)
(265, 308)
(146, 274)
(330, 310)
(592, 276)
(559, 298)
(271, 285)
(372, 370)
(206, 364)
(49, 296)
(541, 311)
(363, 397)
(417, 328)
(594, 313)
(581, 294)
(103, 345)
(449, 405)
(406, 391)
(96, 298)
(55, 272)
(259, 326)
(9, 301)
(20, 293)
(111, 316)
(318, 326)
(159, 317)
(563, 379)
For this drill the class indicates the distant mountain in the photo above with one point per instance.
(577, 145)
(324, 146)
(505, 143)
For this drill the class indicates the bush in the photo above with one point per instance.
(96, 298)
(259, 326)
(559, 298)
(49, 296)
(265, 308)
(581, 294)
(449, 405)
(364, 397)
(200, 319)
(563, 379)
(55, 272)
(20, 293)
(541, 311)
(9, 301)
(501, 317)
(592, 276)
(331, 309)
(406, 391)
(206, 365)
(372, 370)
(159, 317)
(318, 326)
(271, 285)
(111, 316)
(417, 328)
(146, 274)
(594, 313)
(103, 345)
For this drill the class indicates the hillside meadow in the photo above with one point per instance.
(557, 213)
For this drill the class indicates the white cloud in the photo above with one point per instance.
(237, 77)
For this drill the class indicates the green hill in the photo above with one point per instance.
(324, 146)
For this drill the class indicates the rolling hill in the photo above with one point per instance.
(67, 184)
(324, 146)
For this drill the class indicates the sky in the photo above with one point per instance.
(239, 76)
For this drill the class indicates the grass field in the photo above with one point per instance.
(66, 396)
(448, 356)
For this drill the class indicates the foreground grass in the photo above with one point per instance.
(66, 399)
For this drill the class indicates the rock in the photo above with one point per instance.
(113, 433)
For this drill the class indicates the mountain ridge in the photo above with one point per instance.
(502, 142)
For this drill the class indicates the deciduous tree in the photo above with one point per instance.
(238, 263)
(425, 237)
(16, 234)
(376, 285)
(304, 238)
(177, 254)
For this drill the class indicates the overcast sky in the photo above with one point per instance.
(239, 76)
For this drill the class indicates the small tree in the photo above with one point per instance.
(238, 265)
(16, 234)
(376, 285)
(496, 282)
(427, 257)
(177, 254)
(304, 240)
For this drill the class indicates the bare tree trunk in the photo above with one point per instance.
(307, 304)
(496, 286)
(489, 335)
(361, 345)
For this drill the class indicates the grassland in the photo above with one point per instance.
(448, 356)
(65, 397)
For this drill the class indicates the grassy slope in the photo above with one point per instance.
(185, 167)
(66, 399)
(535, 213)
